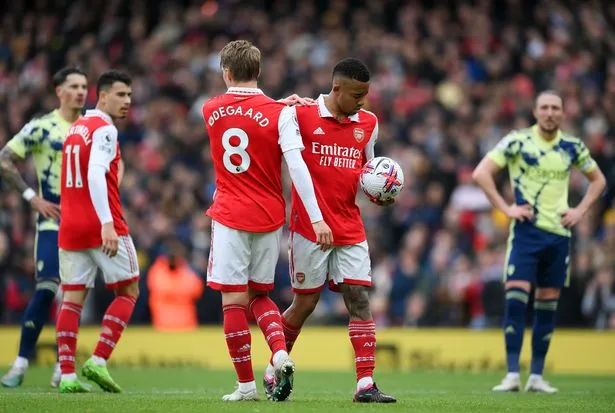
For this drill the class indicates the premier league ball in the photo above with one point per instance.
(381, 179)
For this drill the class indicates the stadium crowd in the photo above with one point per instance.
(447, 82)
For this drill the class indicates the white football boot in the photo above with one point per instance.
(56, 377)
(510, 383)
(536, 384)
(242, 394)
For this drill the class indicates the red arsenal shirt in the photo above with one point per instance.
(334, 154)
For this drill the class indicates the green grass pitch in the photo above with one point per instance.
(171, 390)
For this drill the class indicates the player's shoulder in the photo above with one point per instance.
(262, 99)
(367, 116)
(42, 119)
(523, 133)
(516, 136)
(570, 138)
(41, 123)
(213, 101)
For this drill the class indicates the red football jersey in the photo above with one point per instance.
(79, 224)
(248, 132)
(334, 154)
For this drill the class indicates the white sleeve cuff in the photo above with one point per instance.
(302, 181)
(97, 183)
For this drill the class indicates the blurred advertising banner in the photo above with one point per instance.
(328, 348)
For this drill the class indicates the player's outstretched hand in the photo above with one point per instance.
(295, 99)
(572, 217)
(521, 213)
(324, 236)
(109, 239)
(48, 209)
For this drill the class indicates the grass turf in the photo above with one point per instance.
(172, 390)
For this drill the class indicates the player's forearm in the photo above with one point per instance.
(97, 185)
(485, 180)
(302, 181)
(594, 190)
(120, 171)
(9, 172)
(369, 150)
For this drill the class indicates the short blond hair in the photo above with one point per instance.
(243, 59)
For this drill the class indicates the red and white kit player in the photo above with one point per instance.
(339, 138)
(93, 233)
(249, 135)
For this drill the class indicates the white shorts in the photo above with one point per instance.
(310, 268)
(78, 268)
(241, 259)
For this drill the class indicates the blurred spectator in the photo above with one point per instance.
(599, 298)
(174, 289)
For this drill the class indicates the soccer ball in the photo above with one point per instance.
(381, 179)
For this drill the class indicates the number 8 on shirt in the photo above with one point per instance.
(249, 210)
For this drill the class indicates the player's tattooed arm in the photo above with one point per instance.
(11, 175)
(9, 171)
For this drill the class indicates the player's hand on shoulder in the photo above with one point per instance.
(324, 235)
(110, 239)
(572, 217)
(521, 213)
(295, 99)
(47, 209)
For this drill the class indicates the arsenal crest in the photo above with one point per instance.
(300, 277)
(359, 134)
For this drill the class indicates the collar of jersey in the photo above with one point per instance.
(325, 113)
(99, 113)
(542, 140)
(244, 91)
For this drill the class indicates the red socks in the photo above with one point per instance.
(67, 329)
(291, 333)
(363, 338)
(238, 341)
(267, 316)
(114, 322)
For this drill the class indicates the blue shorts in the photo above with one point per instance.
(46, 256)
(537, 256)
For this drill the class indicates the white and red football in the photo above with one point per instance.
(381, 179)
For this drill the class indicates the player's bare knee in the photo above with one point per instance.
(235, 298)
(75, 296)
(547, 293)
(356, 298)
(256, 293)
(306, 303)
(131, 289)
(522, 285)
